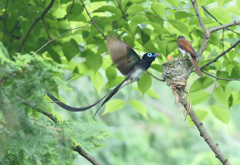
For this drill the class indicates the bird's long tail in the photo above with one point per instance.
(111, 94)
(74, 109)
(196, 66)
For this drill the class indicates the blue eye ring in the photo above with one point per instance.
(149, 54)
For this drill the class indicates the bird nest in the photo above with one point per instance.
(176, 74)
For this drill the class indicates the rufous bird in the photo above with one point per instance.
(186, 48)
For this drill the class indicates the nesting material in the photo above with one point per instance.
(176, 74)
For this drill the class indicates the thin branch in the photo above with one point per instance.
(78, 149)
(5, 8)
(221, 78)
(155, 77)
(200, 127)
(69, 12)
(64, 34)
(120, 7)
(34, 23)
(199, 18)
(65, 80)
(220, 55)
(217, 20)
(48, 34)
(86, 155)
(211, 30)
(205, 32)
(94, 23)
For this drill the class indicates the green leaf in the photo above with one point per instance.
(137, 19)
(94, 61)
(198, 97)
(158, 8)
(152, 93)
(222, 74)
(76, 11)
(201, 114)
(111, 73)
(140, 107)
(135, 8)
(221, 95)
(70, 49)
(144, 83)
(173, 2)
(113, 105)
(200, 84)
(236, 97)
(110, 9)
(222, 15)
(181, 27)
(97, 80)
(221, 114)
(182, 14)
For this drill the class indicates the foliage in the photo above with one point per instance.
(28, 136)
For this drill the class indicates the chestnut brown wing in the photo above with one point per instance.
(185, 45)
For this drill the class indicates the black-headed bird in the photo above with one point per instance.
(127, 62)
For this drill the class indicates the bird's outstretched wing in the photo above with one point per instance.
(123, 56)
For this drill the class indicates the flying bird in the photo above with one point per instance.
(186, 48)
(127, 62)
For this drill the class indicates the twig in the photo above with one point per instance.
(202, 130)
(64, 34)
(5, 8)
(69, 12)
(205, 32)
(120, 7)
(221, 78)
(220, 55)
(55, 120)
(86, 155)
(155, 77)
(211, 30)
(94, 23)
(44, 23)
(34, 23)
(65, 80)
(217, 20)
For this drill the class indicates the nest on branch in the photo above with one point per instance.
(176, 74)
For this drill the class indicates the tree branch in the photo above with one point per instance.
(155, 77)
(200, 127)
(211, 30)
(86, 155)
(220, 55)
(78, 149)
(64, 34)
(221, 78)
(205, 32)
(217, 20)
(34, 23)
(94, 23)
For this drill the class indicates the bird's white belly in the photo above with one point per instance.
(135, 76)
(184, 52)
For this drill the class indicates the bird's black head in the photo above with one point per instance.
(179, 37)
(150, 56)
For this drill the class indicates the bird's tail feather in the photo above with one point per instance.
(73, 109)
(112, 93)
(196, 66)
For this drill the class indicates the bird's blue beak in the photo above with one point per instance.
(156, 54)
